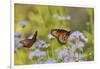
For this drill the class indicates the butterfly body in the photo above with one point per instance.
(61, 35)
(29, 42)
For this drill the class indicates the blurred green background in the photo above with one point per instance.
(43, 18)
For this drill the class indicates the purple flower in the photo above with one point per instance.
(50, 36)
(72, 54)
(17, 43)
(51, 60)
(76, 40)
(62, 54)
(76, 55)
(42, 44)
(68, 59)
(37, 53)
(23, 23)
(77, 36)
(80, 45)
(17, 34)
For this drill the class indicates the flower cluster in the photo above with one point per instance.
(62, 54)
(17, 39)
(42, 44)
(37, 53)
(72, 53)
(77, 41)
(51, 60)
(50, 36)
(23, 23)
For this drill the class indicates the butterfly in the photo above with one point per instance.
(29, 42)
(61, 35)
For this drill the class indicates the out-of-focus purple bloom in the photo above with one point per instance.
(50, 36)
(51, 60)
(80, 45)
(42, 44)
(23, 23)
(76, 55)
(72, 53)
(76, 39)
(76, 36)
(62, 54)
(68, 59)
(37, 53)
(84, 39)
(17, 34)
(17, 43)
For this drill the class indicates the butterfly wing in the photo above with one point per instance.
(61, 35)
(63, 38)
(27, 43)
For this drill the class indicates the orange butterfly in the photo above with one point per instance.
(29, 42)
(61, 35)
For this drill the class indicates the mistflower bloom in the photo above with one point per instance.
(72, 53)
(50, 36)
(37, 53)
(76, 55)
(85, 39)
(17, 34)
(62, 54)
(76, 39)
(17, 43)
(23, 23)
(51, 60)
(77, 35)
(42, 44)
(68, 59)
(80, 45)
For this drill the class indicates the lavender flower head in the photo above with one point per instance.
(77, 35)
(17, 39)
(62, 54)
(17, 44)
(17, 34)
(42, 44)
(23, 23)
(76, 39)
(37, 53)
(68, 59)
(50, 36)
(51, 60)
